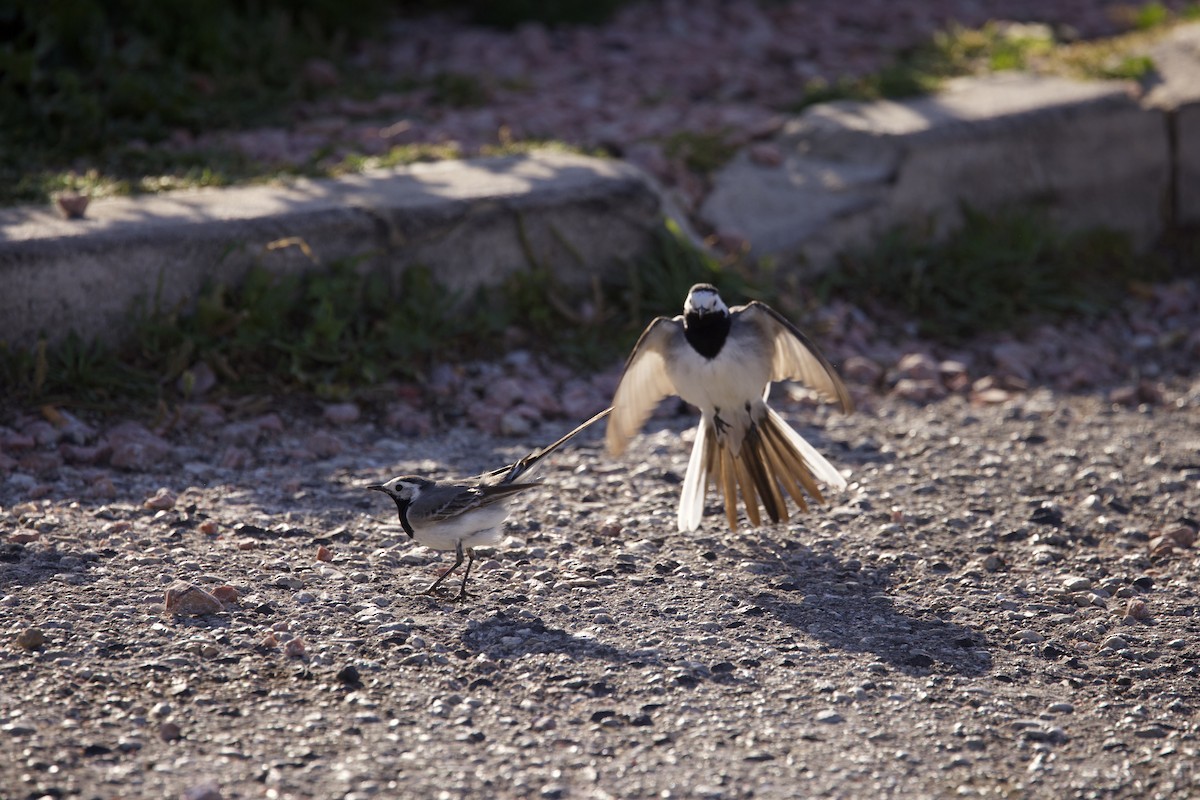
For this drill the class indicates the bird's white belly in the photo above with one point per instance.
(479, 528)
(727, 382)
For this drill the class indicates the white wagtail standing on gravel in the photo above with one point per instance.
(467, 514)
(723, 361)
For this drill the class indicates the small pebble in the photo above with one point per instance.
(72, 205)
(30, 639)
(1075, 584)
(186, 599)
(342, 413)
(1114, 643)
(1137, 608)
(226, 594)
(203, 791)
(163, 500)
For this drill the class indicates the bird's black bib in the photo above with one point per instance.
(706, 333)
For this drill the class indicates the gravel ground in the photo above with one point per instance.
(1001, 604)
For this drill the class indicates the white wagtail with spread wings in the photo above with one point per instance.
(463, 515)
(723, 361)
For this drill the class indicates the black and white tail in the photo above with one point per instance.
(772, 462)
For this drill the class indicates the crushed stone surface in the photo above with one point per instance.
(1002, 603)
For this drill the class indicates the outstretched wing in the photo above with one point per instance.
(643, 383)
(795, 357)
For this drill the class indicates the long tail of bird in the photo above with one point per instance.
(514, 471)
(773, 462)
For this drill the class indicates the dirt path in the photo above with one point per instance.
(989, 610)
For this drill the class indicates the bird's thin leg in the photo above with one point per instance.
(458, 559)
(462, 590)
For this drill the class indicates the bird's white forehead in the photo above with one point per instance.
(703, 299)
(407, 489)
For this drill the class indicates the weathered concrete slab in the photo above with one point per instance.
(1087, 151)
(1176, 89)
(1187, 165)
(471, 222)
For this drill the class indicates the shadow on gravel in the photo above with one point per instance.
(847, 606)
(506, 638)
(21, 565)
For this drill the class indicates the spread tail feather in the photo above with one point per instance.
(774, 462)
(814, 461)
(695, 483)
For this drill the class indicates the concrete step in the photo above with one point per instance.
(472, 223)
(851, 170)
(1091, 153)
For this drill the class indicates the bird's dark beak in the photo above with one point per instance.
(379, 488)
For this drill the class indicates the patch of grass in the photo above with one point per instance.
(703, 152)
(1151, 15)
(398, 156)
(508, 146)
(343, 330)
(135, 170)
(340, 331)
(995, 273)
(1122, 58)
(79, 76)
(458, 90)
(1004, 46)
(657, 285)
(951, 53)
(1134, 68)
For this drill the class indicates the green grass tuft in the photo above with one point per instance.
(343, 330)
(703, 152)
(995, 273)
(339, 331)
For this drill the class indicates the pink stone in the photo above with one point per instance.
(404, 419)
(766, 154)
(505, 392)
(185, 598)
(163, 500)
(919, 390)
(324, 444)
(197, 381)
(134, 447)
(43, 433)
(1015, 359)
(235, 458)
(342, 413)
(227, 594)
(39, 463)
(917, 367)
(860, 369)
(320, 73)
(80, 454)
